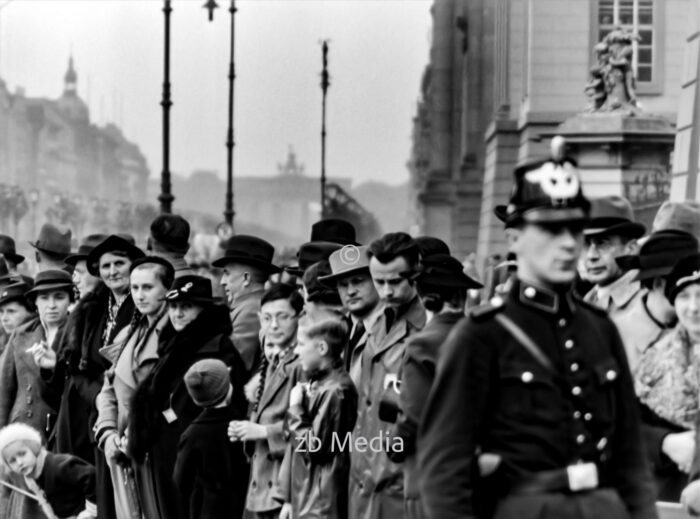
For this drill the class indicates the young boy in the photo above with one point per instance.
(61, 485)
(320, 418)
(211, 473)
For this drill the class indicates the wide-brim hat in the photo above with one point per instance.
(248, 250)
(86, 245)
(345, 262)
(685, 272)
(192, 288)
(548, 191)
(7, 247)
(310, 253)
(48, 280)
(659, 254)
(14, 292)
(613, 215)
(679, 216)
(53, 241)
(112, 243)
(445, 271)
(334, 230)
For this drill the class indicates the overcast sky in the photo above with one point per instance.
(378, 50)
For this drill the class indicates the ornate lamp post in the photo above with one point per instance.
(166, 198)
(229, 213)
(325, 83)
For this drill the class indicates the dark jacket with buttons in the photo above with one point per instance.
(490, 395)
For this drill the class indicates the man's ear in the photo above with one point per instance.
(323, 348)
(512, 238)
(631, 247)
(247, 279)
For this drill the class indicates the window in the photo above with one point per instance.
(642, 17)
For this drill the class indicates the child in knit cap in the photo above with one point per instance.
(211, 473)
(321, 416)
(60, 485)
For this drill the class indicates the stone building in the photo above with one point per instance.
(51, 149)
(502, 76)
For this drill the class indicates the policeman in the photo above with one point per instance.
(532, 413)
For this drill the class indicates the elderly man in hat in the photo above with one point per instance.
(532, 412)
(7, 249)
(376, 483)
(350, 275)
(169, 239)
(52, 247)
(442, 286)
(84, 281)
(247, 264)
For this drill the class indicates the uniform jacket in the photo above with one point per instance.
(20, 398)
(150, 434)
(246, 328)
(318, 455)
(211, 472)
(267, 455)
(376, 483)
(418, 373)
(490, 395)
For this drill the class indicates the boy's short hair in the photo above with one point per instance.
(331, 330)
(278, 291)
(392, 245)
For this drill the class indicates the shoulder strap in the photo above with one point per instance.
(526, 342)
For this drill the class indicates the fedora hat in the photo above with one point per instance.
(7, 247)
(685, 272)
(52, 240)
(195, 289)
(445, 271)
(659, 254)
(86, 245)
(248, 250)
(613, 215)
(334, 230)
(346, 261)
(547, 191)
(14, 292)
(680, 216)
(310, 253)
(111, 243)
(50, 280)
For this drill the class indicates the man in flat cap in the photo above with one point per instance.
(532, 413)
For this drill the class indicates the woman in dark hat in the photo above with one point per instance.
(161, 407)
(20, 398)
(667, 382)
(77, 375)
(14, 309)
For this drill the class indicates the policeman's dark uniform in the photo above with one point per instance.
(492, 397)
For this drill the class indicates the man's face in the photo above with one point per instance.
(547, 254)
(84, 281)
(278, 323)
(390, 282)
(358, 294)
(233, 280)
(599, 255)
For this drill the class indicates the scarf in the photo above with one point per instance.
(667, 378)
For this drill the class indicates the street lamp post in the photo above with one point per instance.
(229, 212)
(325, 83)
(166, 198)
(34, 199)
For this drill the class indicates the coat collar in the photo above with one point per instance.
(413, 317)
(277, 378)
(618, 294)
(214, 415)
(541, 298)
(255, 295)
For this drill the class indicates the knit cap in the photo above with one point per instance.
(18, 432)
(207, 382)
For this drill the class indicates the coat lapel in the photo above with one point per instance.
(275, 382)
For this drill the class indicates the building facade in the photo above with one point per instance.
(503, 75)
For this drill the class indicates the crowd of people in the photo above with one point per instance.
(358, 383)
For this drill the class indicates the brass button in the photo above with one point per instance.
(588, 417)
(580, 439)
(574, 367)
(527, 377)
(562, 323)
(569, 344)
(576, 391)
(611, 375)
(577, 414)
(530, 292)
(601, 444)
